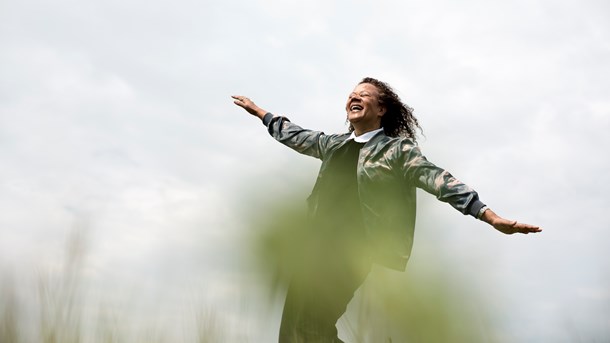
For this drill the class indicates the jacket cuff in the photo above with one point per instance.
(475, 207)
(267, 118)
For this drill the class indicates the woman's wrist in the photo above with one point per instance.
(488, 216)
(259, 112)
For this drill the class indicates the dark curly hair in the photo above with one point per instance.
(398, 119)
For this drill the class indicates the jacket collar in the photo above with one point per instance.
(365, 137)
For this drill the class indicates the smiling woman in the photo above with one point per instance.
(397, 118)
(362, 207)
(364, 111)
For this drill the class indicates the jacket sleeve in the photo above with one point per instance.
(304, 141)
(420, 172)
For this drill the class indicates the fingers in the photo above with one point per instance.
(244, 103)
(240, 98)
(525, 228)
(510, 227)
(240, 101)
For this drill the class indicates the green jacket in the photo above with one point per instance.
(388, 171)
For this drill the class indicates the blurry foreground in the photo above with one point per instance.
(59, 306)
(428, 303)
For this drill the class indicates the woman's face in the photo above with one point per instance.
(363, 107)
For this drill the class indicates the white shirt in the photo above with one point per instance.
(365, 137)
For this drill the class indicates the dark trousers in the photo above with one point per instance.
(318, 296)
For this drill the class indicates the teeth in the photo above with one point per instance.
(356, 108)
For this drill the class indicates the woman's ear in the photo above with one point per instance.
(382, 110)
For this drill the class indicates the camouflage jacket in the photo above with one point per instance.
(388, 172)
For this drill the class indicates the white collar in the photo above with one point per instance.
(365, 137)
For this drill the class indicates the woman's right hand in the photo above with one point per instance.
(248, 105)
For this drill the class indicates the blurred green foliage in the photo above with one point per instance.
(423, 304)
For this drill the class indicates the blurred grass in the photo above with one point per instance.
(425, 304)
(418, 307)
(61, 310)
(9, 312)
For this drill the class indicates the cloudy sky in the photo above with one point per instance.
(115, 119)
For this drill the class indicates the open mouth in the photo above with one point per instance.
(355, 108)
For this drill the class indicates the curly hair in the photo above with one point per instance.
(398, 119)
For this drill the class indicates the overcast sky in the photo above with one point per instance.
(115, 117)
